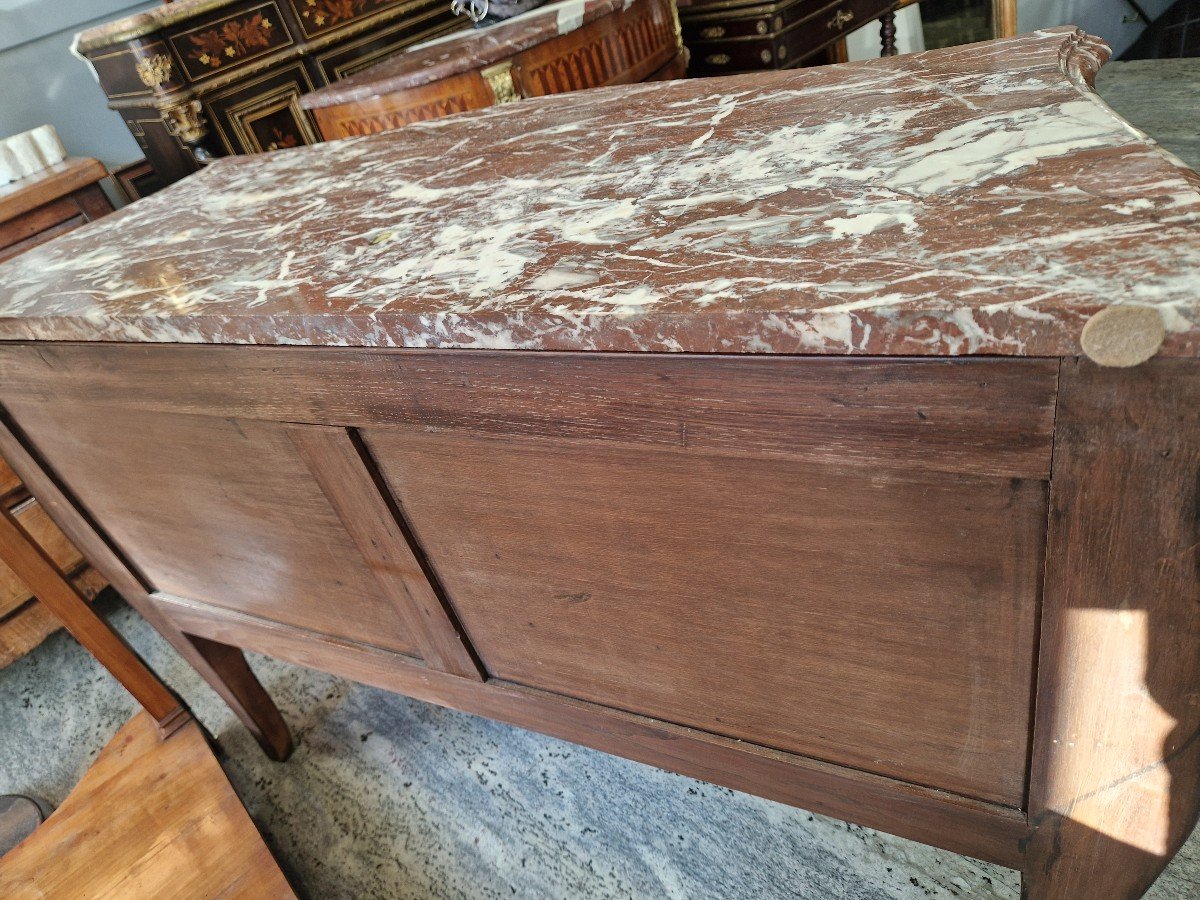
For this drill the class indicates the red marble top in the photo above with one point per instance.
(463, 51)
(974, 200)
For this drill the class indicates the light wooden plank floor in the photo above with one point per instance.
(149, 819)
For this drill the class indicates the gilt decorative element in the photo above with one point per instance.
(500, 80)
(154, 70)
(185, 121)
(840, 20)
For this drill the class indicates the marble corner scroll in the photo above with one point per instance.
(972, 200)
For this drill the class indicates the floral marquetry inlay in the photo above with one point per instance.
(231, 41)
(236, 37)
(317, 15)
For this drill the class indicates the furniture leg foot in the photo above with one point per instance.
(227, 672)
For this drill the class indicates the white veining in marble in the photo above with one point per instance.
(971, 200)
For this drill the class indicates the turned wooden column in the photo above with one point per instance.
(887, 34)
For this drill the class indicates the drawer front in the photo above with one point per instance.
(319, 16)
(738, 49)
(264, 114)
(426, 20)
(217, 510)
(723, 57)
(700, 23)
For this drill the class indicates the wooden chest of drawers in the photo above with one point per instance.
(735, 36)
(198, 79)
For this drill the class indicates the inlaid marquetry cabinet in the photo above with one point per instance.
(727, 36)
(197, 79)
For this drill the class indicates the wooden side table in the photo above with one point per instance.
(48, 204)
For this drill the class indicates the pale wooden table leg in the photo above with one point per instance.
(31, 564)
(1115, 784)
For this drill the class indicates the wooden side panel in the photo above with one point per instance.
(980, 416)
(1116, 764)
(978, 829)
(347, 475)
(838, 558)
(869, 618)
(222, 666)
(217, 509)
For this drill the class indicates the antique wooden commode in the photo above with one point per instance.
(828, 435)
(200, 78)
(566, 46)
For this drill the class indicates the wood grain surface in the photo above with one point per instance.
(223, 667)
(149, 819)
(34, 521)
(28, 626)
(984, 416)
(9, 482)
(346, 473)
(983, 830)
(896, 613)
(218, 509)
(1116, 760)
(36, 569)
(60, 179)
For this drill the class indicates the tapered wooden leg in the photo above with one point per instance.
(227, 672)
(1115, 785)
(37, 570)
(222, 666)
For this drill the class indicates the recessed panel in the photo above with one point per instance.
(862, 615)
(218, 510)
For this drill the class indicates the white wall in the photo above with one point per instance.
(43, 83)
